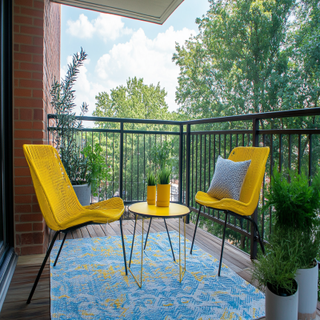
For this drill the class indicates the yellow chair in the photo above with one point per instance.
(249, 196)
(58, 202)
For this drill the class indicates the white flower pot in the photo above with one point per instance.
(308, 293)
(83, 192)
(281, 308)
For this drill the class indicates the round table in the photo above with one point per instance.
(146, 211)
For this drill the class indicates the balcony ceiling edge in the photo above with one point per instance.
(155, 11)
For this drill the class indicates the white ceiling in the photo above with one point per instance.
(156, 11)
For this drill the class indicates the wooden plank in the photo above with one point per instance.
(85, 233)
(91, 231)
(116, 227)
(110, 231)
(98, 230)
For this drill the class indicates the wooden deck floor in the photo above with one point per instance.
(15, 306)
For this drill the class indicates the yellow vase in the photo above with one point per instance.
(151, 195)
(163, 195)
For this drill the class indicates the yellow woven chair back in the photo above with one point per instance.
(251, 187)
(57, 199)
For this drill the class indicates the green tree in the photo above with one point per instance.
(235, 64)
(133, 100)
(304, 51)
(140, 101)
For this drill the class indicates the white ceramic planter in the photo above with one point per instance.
(308, 293)
(83, 192)
(281, 308)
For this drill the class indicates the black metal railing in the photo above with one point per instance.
(293, 138)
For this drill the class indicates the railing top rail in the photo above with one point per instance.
(122, 120)
(266, 115)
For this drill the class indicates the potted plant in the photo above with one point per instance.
(275, 271)
(82, 166)
(163, 188)
(296, 201)
(151, 189)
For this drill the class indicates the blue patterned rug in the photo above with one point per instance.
(89, 282)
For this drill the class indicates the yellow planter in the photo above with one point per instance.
(151, 195)
(163, 195)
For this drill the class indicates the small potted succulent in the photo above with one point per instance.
(163, 188)
(151, 189)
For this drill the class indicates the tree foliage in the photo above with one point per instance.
(249, 57)
(133, 100)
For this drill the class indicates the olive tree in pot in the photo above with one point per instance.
(83, 166)
(275, 271)
(296, 202)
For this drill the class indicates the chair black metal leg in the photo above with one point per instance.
(134, 233)
(145, 244)
(123, 248)
(64, 239)
(222, 245)
(260, 240)
(42, 266)
(174, 259)
(195, 230)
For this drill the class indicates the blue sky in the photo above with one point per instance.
(119, 48)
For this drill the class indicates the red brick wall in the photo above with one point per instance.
(36, 40)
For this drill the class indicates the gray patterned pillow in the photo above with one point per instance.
(228, 178)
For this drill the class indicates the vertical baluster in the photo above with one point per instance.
(310, 156)
(144, 166)
(299, 154)
(113, 164)
(280, 152)
(138, 151)
(290, 151)
(131, 192)
(126, 169)
(106, 188)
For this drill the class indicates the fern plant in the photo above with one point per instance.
(296, 200)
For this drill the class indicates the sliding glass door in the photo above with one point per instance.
(7, 256)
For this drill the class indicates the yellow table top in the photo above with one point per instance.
(173, 211)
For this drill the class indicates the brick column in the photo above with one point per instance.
(36, 44)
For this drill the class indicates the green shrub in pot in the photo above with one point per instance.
(275, 272)
(295, 201)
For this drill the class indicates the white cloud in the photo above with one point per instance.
(81, 28)
(150, 59)
(144, 58)
(107, 26)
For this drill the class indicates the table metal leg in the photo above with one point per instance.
(141, 272)
(182, 272)
(174, 259)
(132, 244)
(145, 244)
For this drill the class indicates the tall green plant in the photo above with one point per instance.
(62, 102)
(296, 200)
